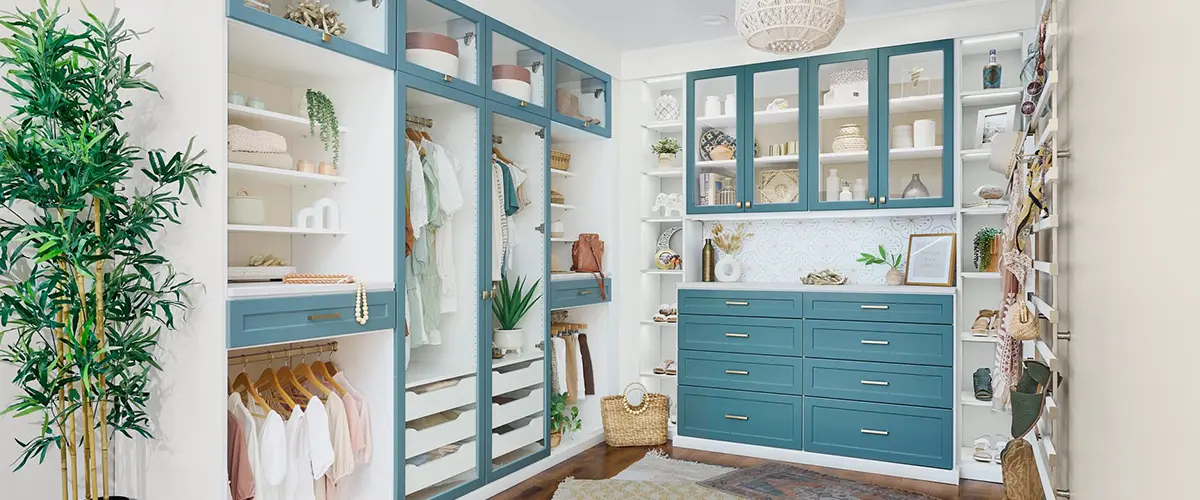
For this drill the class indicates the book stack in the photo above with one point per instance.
(716, 189)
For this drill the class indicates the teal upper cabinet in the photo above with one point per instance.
(368, 30)
(842, 132)
(918, 82)
(518, 70)
(774, 178)
(713, 131)
(441, 42)
(582, 95)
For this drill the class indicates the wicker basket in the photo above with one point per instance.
(557, 197)
(560, 160)
(641, 425)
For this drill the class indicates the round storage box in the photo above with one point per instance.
(246, 209)
(432, 50)
(513, 81)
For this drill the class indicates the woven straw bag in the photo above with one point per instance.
(1022, 323)
(641, 425)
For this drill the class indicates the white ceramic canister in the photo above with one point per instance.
(730, 105)
(902, 136)
(246, 209)
(925, 133)
(712, 106)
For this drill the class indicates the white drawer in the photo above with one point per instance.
(503, 444)
(513, 410)
(421, 441)
(519, 378)
(419, 477)
(420, 405)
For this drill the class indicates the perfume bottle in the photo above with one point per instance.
(992, 72)
(708, 262)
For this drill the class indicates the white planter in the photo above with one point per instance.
(666, 160)
(441, 62)
(728, 269)
(509, 340)
(895, 277)
(515, 89)
(246, 209)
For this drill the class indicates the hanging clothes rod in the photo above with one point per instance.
(496, 139)
(419, 121)
(287, 352)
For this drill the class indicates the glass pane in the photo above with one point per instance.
(844, 132)
(579, 95)
(776, 136)
(915, 83)
(441, 140)
(716, 141)
(362, 23)
(441, 40)
(518, 71)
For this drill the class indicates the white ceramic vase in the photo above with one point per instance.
(666, 160)
(666, 107)
(728, 269)
(712, 106)
(730, 104)
(509, 340)
(902, 136)
(895, 277)
(925, 133)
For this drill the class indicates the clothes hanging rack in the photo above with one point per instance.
(287, 352)
(496, 139)
(418, 121)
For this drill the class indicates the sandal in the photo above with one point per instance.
(995, 321)
(672, 318)
(664, 309)
(1029, 397)
(666, 368)
(1001, 445)
(983, 450)
(983, 384)
(675, 308)
(983, 323)
(660, 318)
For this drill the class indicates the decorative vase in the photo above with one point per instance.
(666, 107)
(849, 139)
(895, 277)
(257, 103)
(556, 229)
(730, 105)
(555, 439)
(728, 269)
(237, 99)
(845, 195)
(508, 340)
(925, 133)
(831, 185)
(992, 71)
(994, 260)
(902, 136)
(666, 160)
(707, 257)
(712, 106)
(915, 188)
(860, 189)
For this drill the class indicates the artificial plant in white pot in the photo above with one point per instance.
(894, 276)
(667, 149)
(510, 305)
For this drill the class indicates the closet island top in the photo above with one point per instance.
(800, 287)
(276, 289)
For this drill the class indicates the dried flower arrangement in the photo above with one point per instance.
(318, 16)
(730, 242)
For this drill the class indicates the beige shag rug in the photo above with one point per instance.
(655, 476)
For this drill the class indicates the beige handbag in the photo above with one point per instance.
(629, 425)
(1022, 323)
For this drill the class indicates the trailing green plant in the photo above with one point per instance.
(666, 145)
(563, 418)
(84, 295)
(512, 302)
(322, 115)
(891, 260)
(983, 247)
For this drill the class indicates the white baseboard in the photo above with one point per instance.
(557, 456)
(818, 459)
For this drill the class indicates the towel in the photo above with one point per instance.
(560, 362)
(572, 370)
(577, 354)
(589, 380)
(273, 160)
(555, 386)
(255, 141)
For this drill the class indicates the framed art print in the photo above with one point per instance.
(993, 121)
(931, 259)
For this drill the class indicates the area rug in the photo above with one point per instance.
(780, 481)
(658, 467)
(616, 489)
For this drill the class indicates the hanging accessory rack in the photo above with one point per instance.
(418, 121)
(286, 352)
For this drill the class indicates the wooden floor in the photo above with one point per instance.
(603, 462)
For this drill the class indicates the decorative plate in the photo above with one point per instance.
(711, 138)
(664, 239)
(779, 186)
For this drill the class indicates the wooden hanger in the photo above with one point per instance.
(319, 369)
(333, 370)
(496, 151)
(269, 379)
(412, 135)
(287, 377)
(243, 381)
(305, 373)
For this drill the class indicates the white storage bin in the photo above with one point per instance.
(419, 477)
(503, 444)
(421, 441)
(420, 405)
(513, 410)
(519, 378)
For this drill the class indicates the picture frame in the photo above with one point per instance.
(993, 121)
(931, 259)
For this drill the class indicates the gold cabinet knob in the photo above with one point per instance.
(738, 204)
(871, 200)
(448, 78)
(882, 200)
(485, 295)
(522, 104)
(749, 204)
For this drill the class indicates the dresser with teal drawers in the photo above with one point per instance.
(857, 372)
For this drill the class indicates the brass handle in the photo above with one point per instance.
(749, 204)
(873, 432)
(734, 303)
(738, 204)
(737, 417)
(485, 295)
(870, 200)
(738, 335)
(880, 308)
(882, 200)
(326, 37)
(585, 292)
(323, 317)
(875, 342)
(587, 124)
(522, 104)
(449, 78)
(736, 372)
(874, 382)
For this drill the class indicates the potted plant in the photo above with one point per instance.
(322, 118)
(562, 419)
(987, 249)
(510, 304)
(894, 276)
(84, 293)
(666, 149)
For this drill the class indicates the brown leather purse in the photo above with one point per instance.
(586, 255)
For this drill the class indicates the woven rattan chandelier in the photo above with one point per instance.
(790, 26)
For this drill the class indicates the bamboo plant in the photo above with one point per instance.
(84, 295)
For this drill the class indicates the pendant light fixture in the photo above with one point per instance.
(790, 26)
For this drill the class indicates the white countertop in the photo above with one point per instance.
(801, 287)
(277, 289)
(573, 276)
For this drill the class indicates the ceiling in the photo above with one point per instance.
(641, 24)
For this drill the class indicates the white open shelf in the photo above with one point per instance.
(279, 289)
(978, 471)
(513, 358)
(562, 206)
(658, 220)
(767, 160)
(992, 97)
(988, 210)
(967, 398)
(981, 276)
(563, 240)
(281, 176)
(665, 172)
(894, 154)
(246, 228)
(562, 173)
(969, 337)
(659, 323)
(291, 123)
(665, 126)
(659, 375)
(766, 117)
(898, 105)
(667, 272)
(981, 154)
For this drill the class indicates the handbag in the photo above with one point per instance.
(1019, 470)
(629, 425)
(586, 255)
(1022, 323)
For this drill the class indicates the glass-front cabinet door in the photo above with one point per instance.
(841, 132)
(917, 82)
(581, 95)
(774, 178)
(713, 130)
(441, 43)
(519, 74)
(362, 29)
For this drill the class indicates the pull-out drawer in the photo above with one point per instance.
(455, 429)
(889, 343)
(875, 431)
(750, 372)
(741, 303)
(881, 382)
(419, 477)
(254, 322)
(780, 337)
(740, 417)
(517, 377)
(532, 431)
(419, 403)
(526, 404)
(578, 292)
(886, 307)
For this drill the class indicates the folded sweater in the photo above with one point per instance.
(255, 141)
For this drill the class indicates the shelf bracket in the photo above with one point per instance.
(1063, 494)
(1064, 336)
(541, 132)
(541, 228)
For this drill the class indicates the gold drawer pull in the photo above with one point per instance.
(874, 382)
(585, 292)
(874, 432)
(736, 417)
(322, 317)
(876, 342)
(736, 372)
(734, 303)
(881, 308)
(738, 335)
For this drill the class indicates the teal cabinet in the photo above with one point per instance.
(886, 342)
(889, 307)
(714, 122)
(931, 386)
(774, 374)
(517, 69)
(256, 322)
(371, 33)
(775, 336)
(579, 292)
(842, 131)
(741, 417)
(751, 303)
(442, 42)
(873, 431)
(582, 95)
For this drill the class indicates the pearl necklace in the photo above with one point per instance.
(361, 313)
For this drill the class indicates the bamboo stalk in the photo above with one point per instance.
(97, 212)
(74, 443)
(62, 403)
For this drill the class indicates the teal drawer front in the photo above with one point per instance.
(749, 372)
(578, 292)
(887, 307)
(740, 417)
(931, 386)
(889, 343)
(741, 303)
(255, 322)
(875, 431)
(780, 337)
